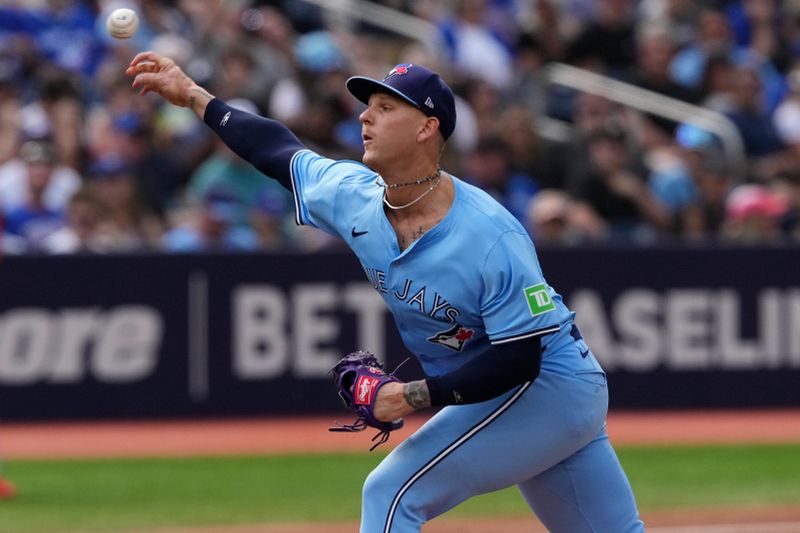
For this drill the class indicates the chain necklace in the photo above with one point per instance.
(412, 202)
(415, 182)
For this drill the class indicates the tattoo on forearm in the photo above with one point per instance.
(416, 394)
(194, 93)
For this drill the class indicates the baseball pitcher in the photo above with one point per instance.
(524, 399)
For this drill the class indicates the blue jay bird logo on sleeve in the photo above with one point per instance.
(453, 338)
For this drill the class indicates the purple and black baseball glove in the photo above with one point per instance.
(358, 377)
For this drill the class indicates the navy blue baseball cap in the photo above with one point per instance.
(418, 86)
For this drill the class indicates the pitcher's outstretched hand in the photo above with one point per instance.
(152, 72)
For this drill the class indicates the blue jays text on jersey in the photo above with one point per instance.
(471, 280)
(435, 306)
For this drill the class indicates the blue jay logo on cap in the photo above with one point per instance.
(398, 70)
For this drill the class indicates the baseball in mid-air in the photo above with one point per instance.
(122, 23)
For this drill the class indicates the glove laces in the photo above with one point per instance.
(360, 424)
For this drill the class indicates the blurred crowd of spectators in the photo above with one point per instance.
(88, 165)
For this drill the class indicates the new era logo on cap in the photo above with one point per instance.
(418, 86)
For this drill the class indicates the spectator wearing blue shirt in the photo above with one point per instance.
(214, 228)
(753, 121)
(489, 166)
(32, 219)
(127, 220)
(474, 48)
(715, 37)
(64, 33)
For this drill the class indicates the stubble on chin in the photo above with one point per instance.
(368, 159)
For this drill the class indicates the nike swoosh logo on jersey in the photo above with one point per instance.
(355, 233)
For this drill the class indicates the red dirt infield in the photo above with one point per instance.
(171, 438)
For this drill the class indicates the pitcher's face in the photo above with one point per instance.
(389, 130)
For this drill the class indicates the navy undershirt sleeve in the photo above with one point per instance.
(490, 374)
(266, 144)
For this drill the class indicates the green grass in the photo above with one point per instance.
(112, 495)
(720, 475)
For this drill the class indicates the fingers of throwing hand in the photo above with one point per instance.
(144, 81)
(146, 62)
(144, 57)
(141, 68)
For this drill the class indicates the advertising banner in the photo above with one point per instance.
(252, 334)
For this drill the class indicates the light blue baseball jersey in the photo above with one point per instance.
(471, 280)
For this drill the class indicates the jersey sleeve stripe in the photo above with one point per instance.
(298, 217)
(535, 333)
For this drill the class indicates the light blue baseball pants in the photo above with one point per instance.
(548, 438)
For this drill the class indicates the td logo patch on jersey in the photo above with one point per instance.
(454, 338)
(539, 300)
